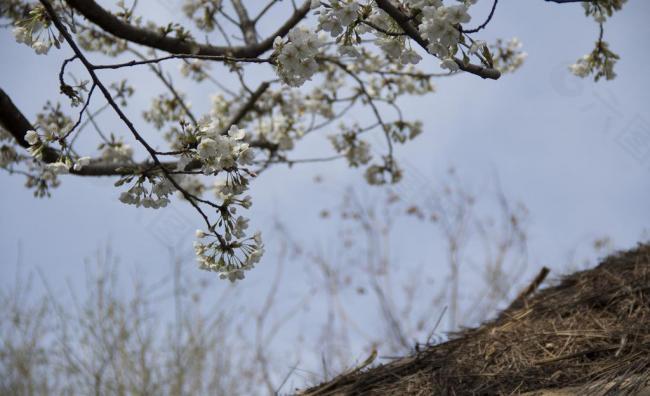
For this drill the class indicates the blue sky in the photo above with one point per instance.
(561, 145)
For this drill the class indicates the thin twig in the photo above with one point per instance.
(223, 58)
(484, 24)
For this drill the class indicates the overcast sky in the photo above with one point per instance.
(575, 152)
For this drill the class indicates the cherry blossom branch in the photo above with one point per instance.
(404, 22)
(68, 38)
(15, 122)
(119, 28)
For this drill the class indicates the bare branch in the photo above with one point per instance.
(122, 169)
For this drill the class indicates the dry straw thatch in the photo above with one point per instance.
(588, 335)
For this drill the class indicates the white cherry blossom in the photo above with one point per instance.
(32, 137)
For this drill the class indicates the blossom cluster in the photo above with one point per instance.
(340, 19)
(356, 151)
(508, 56)
(202, 12)
(439, 27)
(44, 176)
(228, 251)
(63, 165)
(8, 154)
(165, 108)
(395, 48)
(154, 196)
(217, 151)
(600, 62)
(296, 57)
(388, 172)
(213, 147)
(437, 23)
(291, 113)
(231, 260)
(42, 182)
(225, 247)
(339, 15)
(34, 31)
(195, 69)
(279, 130)
(116, 151)
(601, 9)
(582, 67)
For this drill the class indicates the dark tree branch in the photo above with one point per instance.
(122, 169)
(117, 27)
(404, 22)
(13, 120)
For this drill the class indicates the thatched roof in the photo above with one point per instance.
(588, 335)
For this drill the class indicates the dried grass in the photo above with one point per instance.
(589, 334)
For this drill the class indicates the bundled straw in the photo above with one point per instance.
(589, 335)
